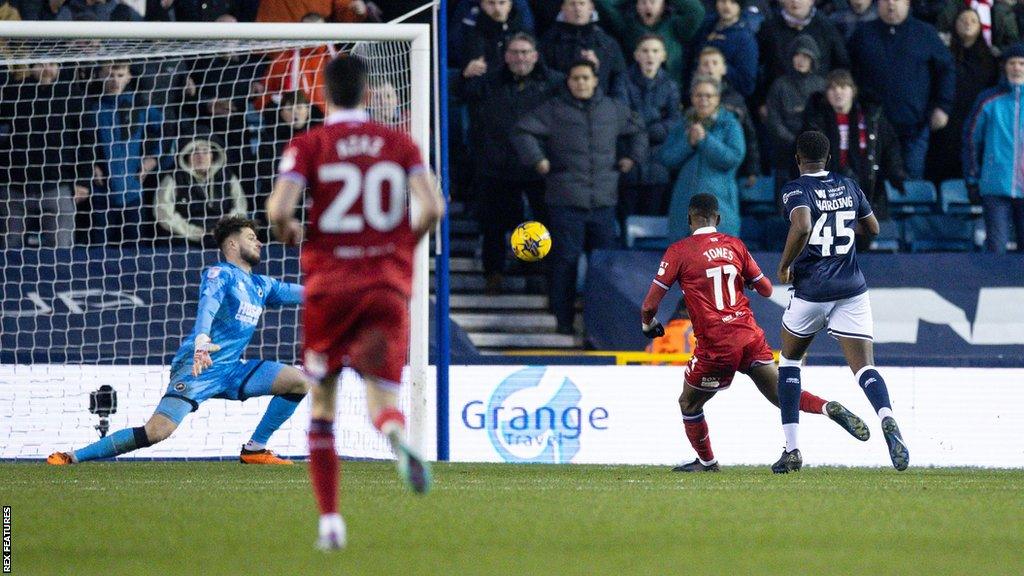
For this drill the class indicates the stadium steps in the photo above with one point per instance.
(515, 320)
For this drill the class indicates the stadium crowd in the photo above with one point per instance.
(577, 113)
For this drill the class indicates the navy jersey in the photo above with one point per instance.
(826, 270)
(231, 302)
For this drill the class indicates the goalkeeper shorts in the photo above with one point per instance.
(230, 381)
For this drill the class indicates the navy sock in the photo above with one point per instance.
(789, 394)
(874, 388)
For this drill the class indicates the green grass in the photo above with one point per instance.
(223, 518)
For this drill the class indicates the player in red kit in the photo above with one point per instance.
(712, 269)
(357, 264)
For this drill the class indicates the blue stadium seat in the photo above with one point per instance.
(939, 232)
(953, 199)
(921, 198)
(888, 239)
(647, 232)
(758, 200)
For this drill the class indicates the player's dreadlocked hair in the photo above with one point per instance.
(231, 224)
(812, 146)
(345, 81)
(705, 205)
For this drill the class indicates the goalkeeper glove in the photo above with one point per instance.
(653, 330)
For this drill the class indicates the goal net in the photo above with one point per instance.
(120, 148)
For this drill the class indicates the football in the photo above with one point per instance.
(531, 241)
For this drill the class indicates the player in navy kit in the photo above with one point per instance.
(209, 364)
(825, 210)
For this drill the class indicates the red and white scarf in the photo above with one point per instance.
(984, 10)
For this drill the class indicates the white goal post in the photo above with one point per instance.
(26, 390)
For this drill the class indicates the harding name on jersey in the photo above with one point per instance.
(359, 145)
(827, 202)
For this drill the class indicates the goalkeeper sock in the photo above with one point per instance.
(699, 437)
(812, 404)
(874, 388)
(323, 465)
(119, 442)
(278, 412)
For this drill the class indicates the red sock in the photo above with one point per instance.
(810, 403)
(323, 465)
(389, 418)
(700, 439)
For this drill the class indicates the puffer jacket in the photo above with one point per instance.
(579, 138)
(994, 129)
(656, 102)
(189, 204)
(787, 99)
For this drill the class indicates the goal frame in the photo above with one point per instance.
(421, 90)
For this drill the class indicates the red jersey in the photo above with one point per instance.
(358, 233)
(711, 268)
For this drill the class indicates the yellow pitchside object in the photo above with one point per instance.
(531, 241)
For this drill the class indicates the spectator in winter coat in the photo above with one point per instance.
(787, 99)
(706, 148)
(711, 62)
(46, 170)
(864, 145)
(902, 62)
(575, 36)
(298, 69)
(199, 193)
(464, 18)
(496, 102)
(994, 153)
(675, 21)
(654, 97)
(288, 119)
(484, 37)
(998, 22)
(127, 139)
(799, 17)
(857, 12)
(976, 70)
(733, 37)
(572, 141)
(89, 10)
(329, 10)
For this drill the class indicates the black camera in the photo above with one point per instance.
(103, 403)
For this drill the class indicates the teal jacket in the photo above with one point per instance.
(993, 131)
(709, 167)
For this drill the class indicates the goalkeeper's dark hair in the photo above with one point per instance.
(230, 225)
(812, 146)
(345, 81)
(704, 204)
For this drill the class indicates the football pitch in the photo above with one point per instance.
(165, 518)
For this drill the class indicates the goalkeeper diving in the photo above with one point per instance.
(209, 362)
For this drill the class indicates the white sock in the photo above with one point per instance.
(883, 412)
(707, 463)
(824, 408)
(253, 445)
(791, 436)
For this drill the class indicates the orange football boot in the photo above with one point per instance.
(59, 459)
(262, 457)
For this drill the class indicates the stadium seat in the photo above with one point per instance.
(758, 200)
(888, 239)
(953, 199)
(921, 198)
(647, 232)
(939, 232)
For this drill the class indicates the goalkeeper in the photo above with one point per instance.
(208, 363)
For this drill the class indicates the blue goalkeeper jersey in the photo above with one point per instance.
(231, 302)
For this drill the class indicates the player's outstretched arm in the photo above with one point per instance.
(648, 312)
(281, 210)
(799, 232)
(428, 201)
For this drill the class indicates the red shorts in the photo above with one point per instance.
(715, 370)
(366, 330)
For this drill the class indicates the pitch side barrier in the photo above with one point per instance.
(929, 309)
